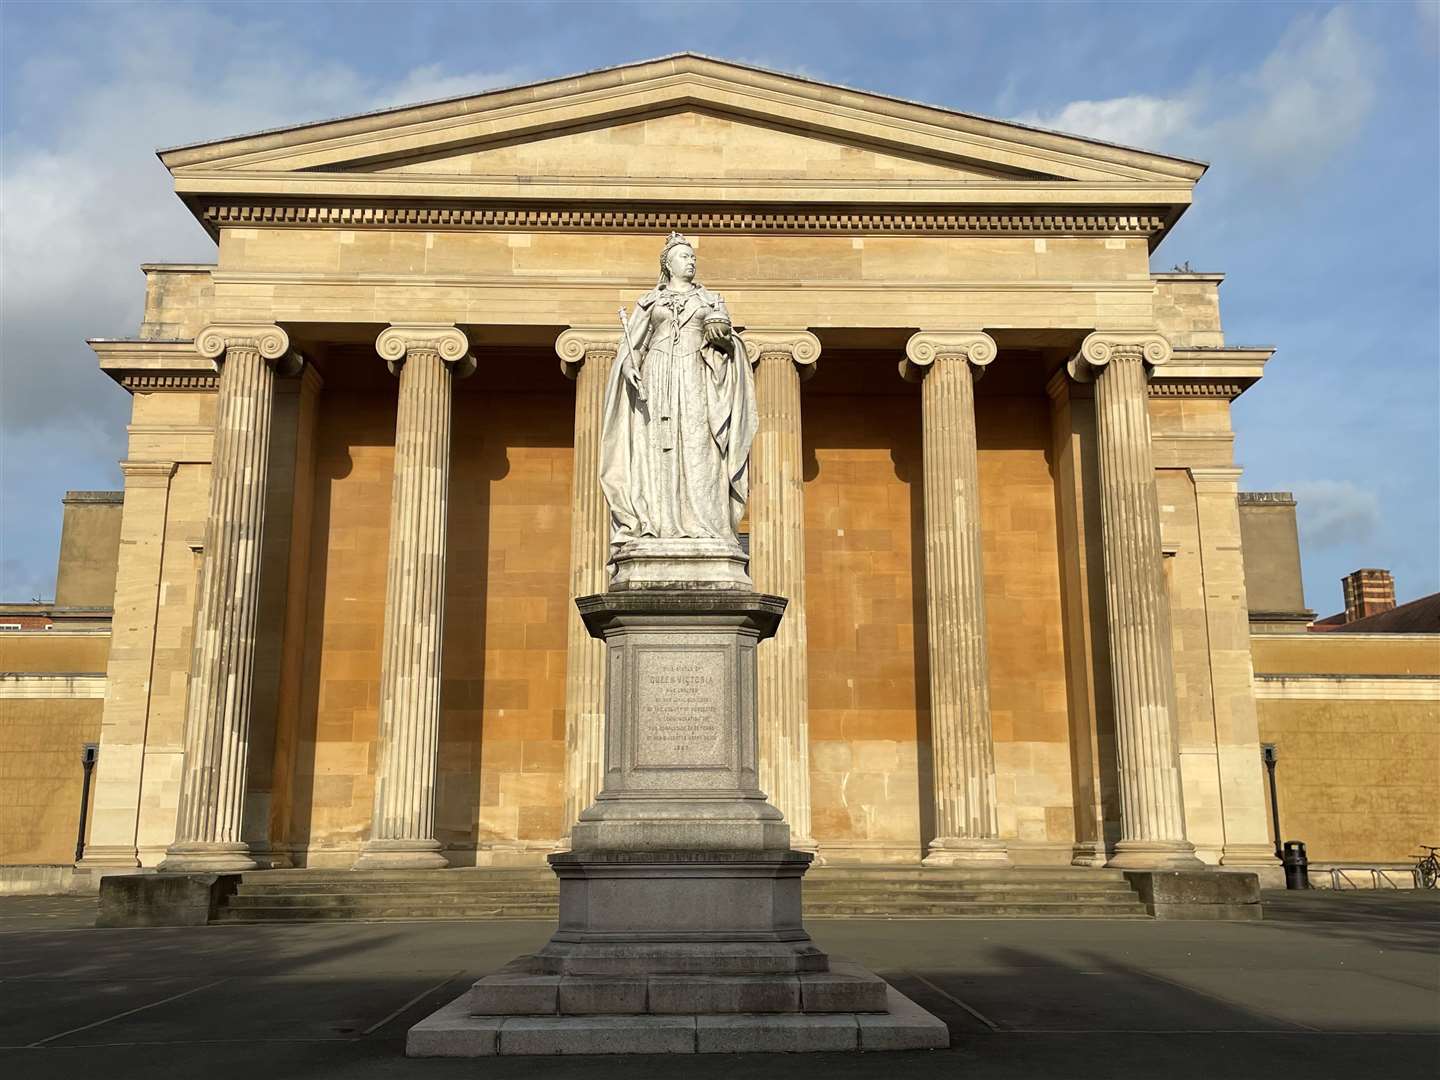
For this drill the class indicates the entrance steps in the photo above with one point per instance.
(853, 892)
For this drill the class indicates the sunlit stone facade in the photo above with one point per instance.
(994, 476)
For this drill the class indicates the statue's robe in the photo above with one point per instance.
(678, 422)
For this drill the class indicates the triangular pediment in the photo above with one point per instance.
(681, 144)
(684, 127)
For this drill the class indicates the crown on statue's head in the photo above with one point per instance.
(675, 239)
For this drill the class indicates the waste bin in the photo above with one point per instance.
(1297, 866)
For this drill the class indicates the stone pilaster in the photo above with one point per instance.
(1087, 659)
(427, 358)
(208, 826)
(124, 726)
(1243, 804)
(782, 360)
(967, 830)
(1152, 812)
(586, 356)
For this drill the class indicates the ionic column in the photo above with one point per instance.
(586, 356)
(427, 358)
(782, 360)
(1152, 812)
(217, 712)
(967, 827)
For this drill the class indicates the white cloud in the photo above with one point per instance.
(1138, 120)
(86, 206)
(1307, 99)
(1334, 513)
(85, 202)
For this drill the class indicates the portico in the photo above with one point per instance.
(986, 658)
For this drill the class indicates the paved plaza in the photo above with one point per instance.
(1328, 985)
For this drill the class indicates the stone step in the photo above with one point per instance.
(532, 893)
(978, 910)
(442, 912)
(881, 901)
(471, 899)
(914, 887)
(367, 912)
(401, 888)
(469, 873)
(1039, 875)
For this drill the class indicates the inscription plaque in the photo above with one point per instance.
(680, 699)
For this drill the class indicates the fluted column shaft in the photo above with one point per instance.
(217, 715)
(402, 830)
(586, 357)
(967, 828)
(1152, 811)
(777, 566)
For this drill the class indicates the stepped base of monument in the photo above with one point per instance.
(521, 1009)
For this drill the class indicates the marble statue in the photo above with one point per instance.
(679, 415)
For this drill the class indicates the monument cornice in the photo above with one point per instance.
(1212, 372)
(148, 364)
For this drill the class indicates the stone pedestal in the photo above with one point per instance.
(680, 921)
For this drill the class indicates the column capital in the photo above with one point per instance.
(575, 345)
(1097, 350)
(269, 340)
(1216, 479)
(398, 340)
(147, 473)
(975, 347)
(800, 346)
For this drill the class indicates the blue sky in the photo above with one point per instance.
(1322, 123)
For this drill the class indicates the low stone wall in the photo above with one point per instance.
(1198, 894)
(45, 880)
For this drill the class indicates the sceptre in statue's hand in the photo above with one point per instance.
(629, 368)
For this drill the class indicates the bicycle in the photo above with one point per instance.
(1427, 868)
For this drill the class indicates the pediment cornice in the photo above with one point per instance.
(379, 159)
(685, 80)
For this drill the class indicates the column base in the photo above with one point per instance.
(1154, 855)
(964, 851)
(1259, 859)
(401, 855)
(109, 858)
(1090, 854)
(207, 858)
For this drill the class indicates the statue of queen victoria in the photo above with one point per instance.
(679, 418)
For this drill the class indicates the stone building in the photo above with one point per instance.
(1018, 612)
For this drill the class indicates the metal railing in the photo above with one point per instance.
(1381, 877)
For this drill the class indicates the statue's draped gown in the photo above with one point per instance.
(675, 451)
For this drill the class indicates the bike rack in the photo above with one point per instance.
(1379, 878)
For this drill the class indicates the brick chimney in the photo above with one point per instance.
(1367, 592)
